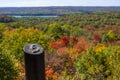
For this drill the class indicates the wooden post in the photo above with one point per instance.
(34, 62)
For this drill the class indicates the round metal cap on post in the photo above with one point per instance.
(34, 62)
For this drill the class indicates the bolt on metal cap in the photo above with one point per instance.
(33, 49)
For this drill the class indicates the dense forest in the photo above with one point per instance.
(77, 46)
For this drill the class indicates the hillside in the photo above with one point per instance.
(55, 10)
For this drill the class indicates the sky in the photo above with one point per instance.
(37, 3)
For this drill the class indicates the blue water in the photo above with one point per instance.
(46, 16)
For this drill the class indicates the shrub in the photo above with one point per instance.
(99, 65)
(51, 74)
(8, 67)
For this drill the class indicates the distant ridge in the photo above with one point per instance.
(58, 10)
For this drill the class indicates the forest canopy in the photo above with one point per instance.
(77, 46)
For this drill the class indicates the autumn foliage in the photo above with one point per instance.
(77, 46)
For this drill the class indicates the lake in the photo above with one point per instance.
(42, 16)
